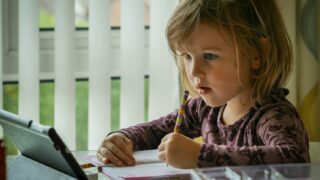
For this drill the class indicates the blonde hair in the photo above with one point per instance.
(248, 21)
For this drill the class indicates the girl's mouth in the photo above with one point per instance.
(203, 90)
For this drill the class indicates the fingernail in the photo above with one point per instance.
(130, 162)
(133, 161)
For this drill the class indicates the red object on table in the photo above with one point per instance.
(2, 160)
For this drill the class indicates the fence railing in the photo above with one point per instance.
(129, 53)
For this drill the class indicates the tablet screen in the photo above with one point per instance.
(40, 143)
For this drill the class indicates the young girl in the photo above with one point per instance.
(234, 56)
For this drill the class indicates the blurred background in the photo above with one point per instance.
(87, 67)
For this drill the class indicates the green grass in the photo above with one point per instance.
(82, 115)
(47, 103)
(10, 103)
(48, 20)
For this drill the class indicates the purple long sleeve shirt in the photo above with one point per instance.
(270, 133)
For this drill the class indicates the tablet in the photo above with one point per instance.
(40, 143)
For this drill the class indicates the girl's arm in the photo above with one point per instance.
(284, 141)
(149, 135)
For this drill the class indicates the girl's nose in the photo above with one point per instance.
(196, 68)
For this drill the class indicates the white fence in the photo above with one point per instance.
(97, 54)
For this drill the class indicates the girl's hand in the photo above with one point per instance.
(116, 149)
(179, 151)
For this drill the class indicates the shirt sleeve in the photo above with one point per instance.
(148, 135)
(283, 138)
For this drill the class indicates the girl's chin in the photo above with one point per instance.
(211, 102)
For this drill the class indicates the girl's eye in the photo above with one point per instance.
(186, 57)
(209, 56)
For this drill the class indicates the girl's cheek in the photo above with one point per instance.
(226, 74)
(187, 69)
(190, 77)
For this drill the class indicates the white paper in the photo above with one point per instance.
(141, 157)
(146, 171)
(147, 166)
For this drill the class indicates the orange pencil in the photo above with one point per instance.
(181, 112)
(87, 165)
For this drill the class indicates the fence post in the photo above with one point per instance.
(99, 72)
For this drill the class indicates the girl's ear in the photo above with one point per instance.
(255, 63)
(266, 47)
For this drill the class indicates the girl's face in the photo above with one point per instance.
(214, 67)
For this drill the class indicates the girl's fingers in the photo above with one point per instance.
(162, 156)
(165, 138)
(120, 150)
(101, 154)
(162, 146)
(116, 149)
(110, 154)
(101, 158)
(127, 146)
(129, 143)
(130, 150)
(113, 158)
